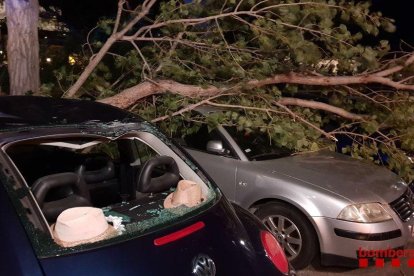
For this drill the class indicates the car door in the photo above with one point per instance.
(246, 175)
(221, 167)
(17, 256)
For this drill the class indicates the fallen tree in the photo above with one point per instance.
(313, 68)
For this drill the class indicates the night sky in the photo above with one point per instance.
(83, 14)
(402, 13)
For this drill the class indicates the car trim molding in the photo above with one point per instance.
(368, 236)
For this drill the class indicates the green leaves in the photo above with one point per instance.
(370, 127)
(267, 38)
(106, 25)
(388, 26)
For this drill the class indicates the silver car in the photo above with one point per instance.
(320, 203)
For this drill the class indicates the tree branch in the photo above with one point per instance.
(146, 6)
(118, 16)
(187, 108)
(295, 78)
(306, 122)
(131, 95)
(382, 77)
(321, 106)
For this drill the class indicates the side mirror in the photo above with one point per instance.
(216, 146)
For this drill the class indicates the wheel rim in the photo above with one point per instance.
(287, 234)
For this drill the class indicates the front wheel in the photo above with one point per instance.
(292, 230)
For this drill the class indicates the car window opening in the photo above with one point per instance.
(125, 181)
(257, 146)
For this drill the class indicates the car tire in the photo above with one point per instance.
(296, 235)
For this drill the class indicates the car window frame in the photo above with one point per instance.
(235, 147)
(40, 230)
(224, 138)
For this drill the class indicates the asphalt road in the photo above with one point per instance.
(387, 270)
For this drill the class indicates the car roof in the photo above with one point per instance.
(27, 111)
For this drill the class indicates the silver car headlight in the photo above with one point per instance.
(364, 212)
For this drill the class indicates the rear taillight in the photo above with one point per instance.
(274, 251)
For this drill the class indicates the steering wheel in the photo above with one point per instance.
(169, 178)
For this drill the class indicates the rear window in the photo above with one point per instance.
(131, 180)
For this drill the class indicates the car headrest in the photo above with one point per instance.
(97, 169)
(43, 185)
(169, 178)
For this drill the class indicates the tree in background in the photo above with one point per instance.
(306, 73)
(23, 45)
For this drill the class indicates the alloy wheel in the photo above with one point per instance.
(287, 234)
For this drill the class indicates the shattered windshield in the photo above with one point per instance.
(126, 186)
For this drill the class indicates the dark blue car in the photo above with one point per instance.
(58, 155)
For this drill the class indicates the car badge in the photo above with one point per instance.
(203, 265)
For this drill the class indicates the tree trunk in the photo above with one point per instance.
(23, 46)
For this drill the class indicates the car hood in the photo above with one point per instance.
(356, 180)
